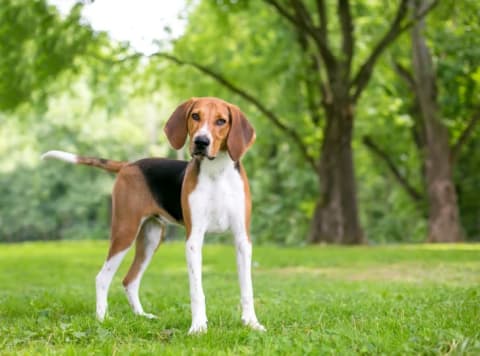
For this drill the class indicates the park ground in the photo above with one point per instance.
(405, 299)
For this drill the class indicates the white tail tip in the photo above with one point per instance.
(63, 156)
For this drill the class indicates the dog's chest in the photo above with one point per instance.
(218, 200)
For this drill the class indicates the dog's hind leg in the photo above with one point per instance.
(147, 243)
(123, 234)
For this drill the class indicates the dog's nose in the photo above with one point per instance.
(201, 141)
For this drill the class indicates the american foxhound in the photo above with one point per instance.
(210, 193)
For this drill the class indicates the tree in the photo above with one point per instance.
(55, 93)
(432, 139)
(335, 82)
(444, 221)
(36, 45)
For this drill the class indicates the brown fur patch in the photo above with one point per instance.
(131, 201)
(209, 111)
(189, 184)
(106, 164)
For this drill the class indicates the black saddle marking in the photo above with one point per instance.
(164, 178)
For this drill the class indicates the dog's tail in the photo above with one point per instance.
(106, 164)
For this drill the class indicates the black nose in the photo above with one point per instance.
(201, 141)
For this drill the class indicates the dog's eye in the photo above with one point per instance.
(195, 117)
(220, 122)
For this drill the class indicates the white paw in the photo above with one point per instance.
(101, 314)
(253, 324)
(148, 315)
(198, 328)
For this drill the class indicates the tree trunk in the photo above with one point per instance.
(336, 215)
(443, 221)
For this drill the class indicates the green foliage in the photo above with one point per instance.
(457, 54)
(65, 87)
(258, 57)
(318, 300)
(36, 45)
(68, 94)
(388, 212)
(57, 204)
(53, 199)
(262, 56)
(388, 114)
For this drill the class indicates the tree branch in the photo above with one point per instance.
(306, 25)
(348, 40)
(363, 75)
(322, 14)
(312, 81)
(405, 74)
(248, 97)
(420, 15)
(411, 191)
(303, 13)
(465, 135)
(282, 11)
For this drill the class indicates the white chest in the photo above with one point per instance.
(217, 203)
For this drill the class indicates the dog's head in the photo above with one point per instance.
(213, 125)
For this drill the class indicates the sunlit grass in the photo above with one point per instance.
(414, 299)
(449, 247)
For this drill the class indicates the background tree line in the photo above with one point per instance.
(366, 115)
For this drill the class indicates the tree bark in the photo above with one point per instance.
(335, 218)
(443, 221)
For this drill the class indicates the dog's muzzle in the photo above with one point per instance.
(200, 147)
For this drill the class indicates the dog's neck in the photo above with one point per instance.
(218, 166)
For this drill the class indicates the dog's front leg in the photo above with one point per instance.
(197, 297)
(244, 262)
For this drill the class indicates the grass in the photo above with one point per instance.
(415, 299)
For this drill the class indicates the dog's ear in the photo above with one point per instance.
(176, 127)
(241, 135)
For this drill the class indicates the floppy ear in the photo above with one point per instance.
(241, 135)
(176, 127)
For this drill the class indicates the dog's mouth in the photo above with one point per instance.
(200, 154)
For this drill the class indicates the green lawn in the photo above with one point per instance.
(314, 300)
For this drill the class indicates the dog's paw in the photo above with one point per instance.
(148, 315)
(101, 315)
(198, 328)
(253, 324)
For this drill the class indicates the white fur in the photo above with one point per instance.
(61, 155)
(204, 131)
(105, 276)
(218, 199)
(193, 250)
(152, 231)
(217, 204)
(244, 263)
(103, 280)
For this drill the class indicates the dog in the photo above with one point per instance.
(210, 193)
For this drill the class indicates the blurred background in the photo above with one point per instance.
(366, 111)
